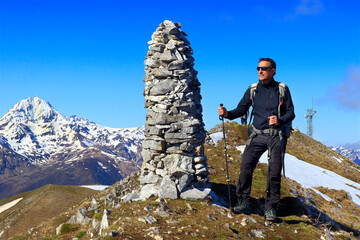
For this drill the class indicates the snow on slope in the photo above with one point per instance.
(311, 176)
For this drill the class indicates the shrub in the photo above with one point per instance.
(68, 227)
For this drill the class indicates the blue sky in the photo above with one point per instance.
(87, 57)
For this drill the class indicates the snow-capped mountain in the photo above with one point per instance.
(35, 139)
(351, 153)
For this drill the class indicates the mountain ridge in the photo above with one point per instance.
(38, 143)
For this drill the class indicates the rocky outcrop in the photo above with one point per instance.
(173, 152)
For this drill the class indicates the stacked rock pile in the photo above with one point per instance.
(173, 153)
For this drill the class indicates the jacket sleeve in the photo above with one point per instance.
(287, 109)
(242, 107)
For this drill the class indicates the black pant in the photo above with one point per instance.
(258, 145)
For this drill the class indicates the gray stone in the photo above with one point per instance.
(247, 220)
(154, 145)
(133, 196)
(104, 221)
(80, 217)
(95, 224)
(58, 229)
(176, 65)
(194, 193)
(149, 178)
(162, 73)
(153, 63)
(161, 172)
(202, 171)
(167, 56)
(147, 219)
(187, 147)
(157, 47)
(168, 188)
(178, 163)
(162, 87)
(184, 180)
(258, 233)
(149, 190)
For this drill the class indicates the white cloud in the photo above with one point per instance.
(347, 92)
(309, 7)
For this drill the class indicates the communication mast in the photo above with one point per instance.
(309, 116)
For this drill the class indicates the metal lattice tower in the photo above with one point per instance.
(309, 116)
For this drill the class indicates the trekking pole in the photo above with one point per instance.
(227, 168)
(267, 191)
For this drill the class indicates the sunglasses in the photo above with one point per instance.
(263, 68)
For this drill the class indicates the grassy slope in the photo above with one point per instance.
(39, 205)
(304, 214)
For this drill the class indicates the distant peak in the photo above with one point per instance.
(32, 109)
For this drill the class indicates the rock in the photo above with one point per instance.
(80, 217)
(212, 218)
(58, 229)
(184, 181)
(104, 221)
(258, 233)
(147, 219)
(246, 220)
(168, 188)
(149, 190)
(195, 194)
(95, 224)
(150, 178)
(133, 196)
(190, 207)
(163, 212)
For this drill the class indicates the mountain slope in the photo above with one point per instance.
(38, 206)
(305, 213)
(39, 146)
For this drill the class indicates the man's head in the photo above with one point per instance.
(266, 70)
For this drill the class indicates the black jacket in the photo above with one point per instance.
(266, 103)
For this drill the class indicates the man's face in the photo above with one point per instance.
(265, 76)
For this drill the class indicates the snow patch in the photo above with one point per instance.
(6, 206)
(101, 165)
(311, 176)
(95, 187)
(217, 136)
(337, 159)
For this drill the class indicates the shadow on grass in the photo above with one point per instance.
(288, 206)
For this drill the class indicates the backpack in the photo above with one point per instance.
(282, 86)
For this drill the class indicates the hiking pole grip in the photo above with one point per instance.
(221, 117)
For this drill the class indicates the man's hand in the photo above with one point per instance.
(273, 120)
(223, 112)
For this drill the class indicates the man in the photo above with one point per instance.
(272, 118)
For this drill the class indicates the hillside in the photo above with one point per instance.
(38, 206)
(303, 213)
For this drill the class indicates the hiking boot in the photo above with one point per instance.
(242, 207)
(270, 215)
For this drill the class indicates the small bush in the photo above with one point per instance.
(68, 228)
(80, 234)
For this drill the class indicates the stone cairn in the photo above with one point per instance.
(173, 152)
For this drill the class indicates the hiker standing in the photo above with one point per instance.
(273, 112)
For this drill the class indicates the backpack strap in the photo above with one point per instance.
(282, 87)
(253, 89)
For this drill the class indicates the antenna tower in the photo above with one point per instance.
(309, 116)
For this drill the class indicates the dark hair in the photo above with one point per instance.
(272, 62)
